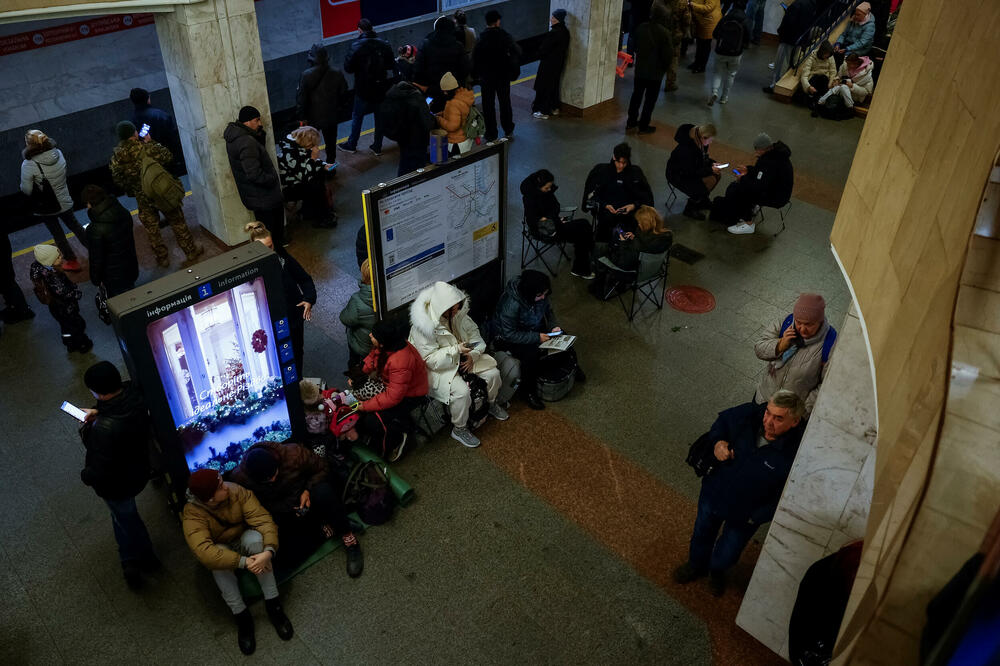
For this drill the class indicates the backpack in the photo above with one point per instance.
(831, 337)
(392, 117)
(367, 492)
(475, 123)
(729, 38)
(164, 191)
(834, 108)
(375, 68)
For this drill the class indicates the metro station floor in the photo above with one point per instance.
(554, 541)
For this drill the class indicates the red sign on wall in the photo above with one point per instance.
(340, 17)
(70, 32)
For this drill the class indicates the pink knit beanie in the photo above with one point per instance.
(810, 308)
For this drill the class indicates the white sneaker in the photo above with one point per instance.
(742, 228)
(465, 437)
(540, 115)
(498, 412)
(724, 100)
(770, 65)
(555, 112)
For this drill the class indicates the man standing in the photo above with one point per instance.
(679, 25)
(255, 174)
(755, 446)
(797, 19)
(15, 306)
(161, 124)
(654, 53)
(551, 61)
(372, 63)
(495, 63)
(126, 171)
(797, 352)
(320, 96)
(407, 120)
(116, 436)
(291, 483)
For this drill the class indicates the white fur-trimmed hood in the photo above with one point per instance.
(432, 302)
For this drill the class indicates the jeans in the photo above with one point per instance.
(711, 552)
(134, 545)
(500, 90)
(755, 9)
(362, 108)
(725, 73)
(644, 92)
(581, 235)
(250, 543)
(51, 223)
(782, 61)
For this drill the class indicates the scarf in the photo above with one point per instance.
(865, 61)
(776, 365)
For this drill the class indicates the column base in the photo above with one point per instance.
(587, 112)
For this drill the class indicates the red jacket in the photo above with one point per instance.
(404, 374)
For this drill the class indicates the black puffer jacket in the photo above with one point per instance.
(112, 245)
(254, 172)
(688, 160)
(373, 65)
(618, 189)
(440, 53)
(117, 443)
(772, 176)
(322, 91)
(496, 56)
(406, 103)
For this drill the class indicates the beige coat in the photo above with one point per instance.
(706, 15)
(206, 529)
(813, 66)
(802, 374)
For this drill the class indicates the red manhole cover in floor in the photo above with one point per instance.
(693, 300)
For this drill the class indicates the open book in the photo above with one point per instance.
(558, 343)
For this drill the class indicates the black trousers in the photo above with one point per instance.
(300, 535)
(736, 205)
(385, 428)
(702, 49)
(580, 234)
(644, 92)
(274, 220)
(13, 297)
(546, 98)
(71, 325)
(500, 90)
(312, 194)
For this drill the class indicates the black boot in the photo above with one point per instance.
(534, 400)
(355, 559)
(278, 618)
(244, 632)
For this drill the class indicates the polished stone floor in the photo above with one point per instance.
(553, 542)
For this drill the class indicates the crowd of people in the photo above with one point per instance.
(438, 352)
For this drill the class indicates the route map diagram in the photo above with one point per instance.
(471, 196)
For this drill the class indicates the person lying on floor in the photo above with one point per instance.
(767, 182)
(460, 372)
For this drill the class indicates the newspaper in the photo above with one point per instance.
(558, 343)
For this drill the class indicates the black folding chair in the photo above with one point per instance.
(758, 217)
(646, 283)
(535, 246)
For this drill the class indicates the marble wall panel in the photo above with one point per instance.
(589, 75)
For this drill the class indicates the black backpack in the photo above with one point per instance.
(834, 108)
(729, 37)
(391, 117)
(376, 70)
(367, 491)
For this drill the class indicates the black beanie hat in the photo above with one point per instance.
(125, 130)
(248, 113)
(261, 464)
(103, 378)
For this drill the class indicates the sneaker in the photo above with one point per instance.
(397, 452)
(347, 149)
(498, 412)
(712, 99)
(71, 265)
(717, 583)
(686, 573)
(377, 152)
(724, 100)
(245, 632)
(465, 437)
(540, 115)
(648, 129)
(742, 228)
(554, 112)
(276, 614)
(629, 126)
(586, 276)
(770, 65)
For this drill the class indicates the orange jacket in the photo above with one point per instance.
(456, 110)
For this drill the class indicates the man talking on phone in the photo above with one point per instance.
(797, 351)
(116, 436)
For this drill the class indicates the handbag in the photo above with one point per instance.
(101, 303)
(701, 456)
(43, 197)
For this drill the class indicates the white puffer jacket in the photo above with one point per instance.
(52, 163)
(438, 343)
(863, 81)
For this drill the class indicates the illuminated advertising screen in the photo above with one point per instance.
(220, 363)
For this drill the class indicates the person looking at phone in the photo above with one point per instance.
(524, 320)
(545, 219)
(115, 434)
(755, 445)
(615, 190)
(797, 351)
(691, 170)
(304, 176)
(767, 182)
(226, 528)
(292, 483)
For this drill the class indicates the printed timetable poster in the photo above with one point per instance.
(440, 229)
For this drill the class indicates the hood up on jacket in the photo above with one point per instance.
(865, 66)
(318, 56)
(683, 132)
(780, 149)
(434, 301)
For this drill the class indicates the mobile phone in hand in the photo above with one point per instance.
(554, 334)
(144, 131)
(74, 411)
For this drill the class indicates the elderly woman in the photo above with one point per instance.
(858, 35)
(303, 175)
(455, 353)
(44, 162)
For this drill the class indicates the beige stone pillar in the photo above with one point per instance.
(211, 52)
(589, 77)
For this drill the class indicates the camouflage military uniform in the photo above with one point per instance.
(126, 171)
(679, 16)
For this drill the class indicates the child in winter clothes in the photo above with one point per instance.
(456, 111)
(62, 296)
